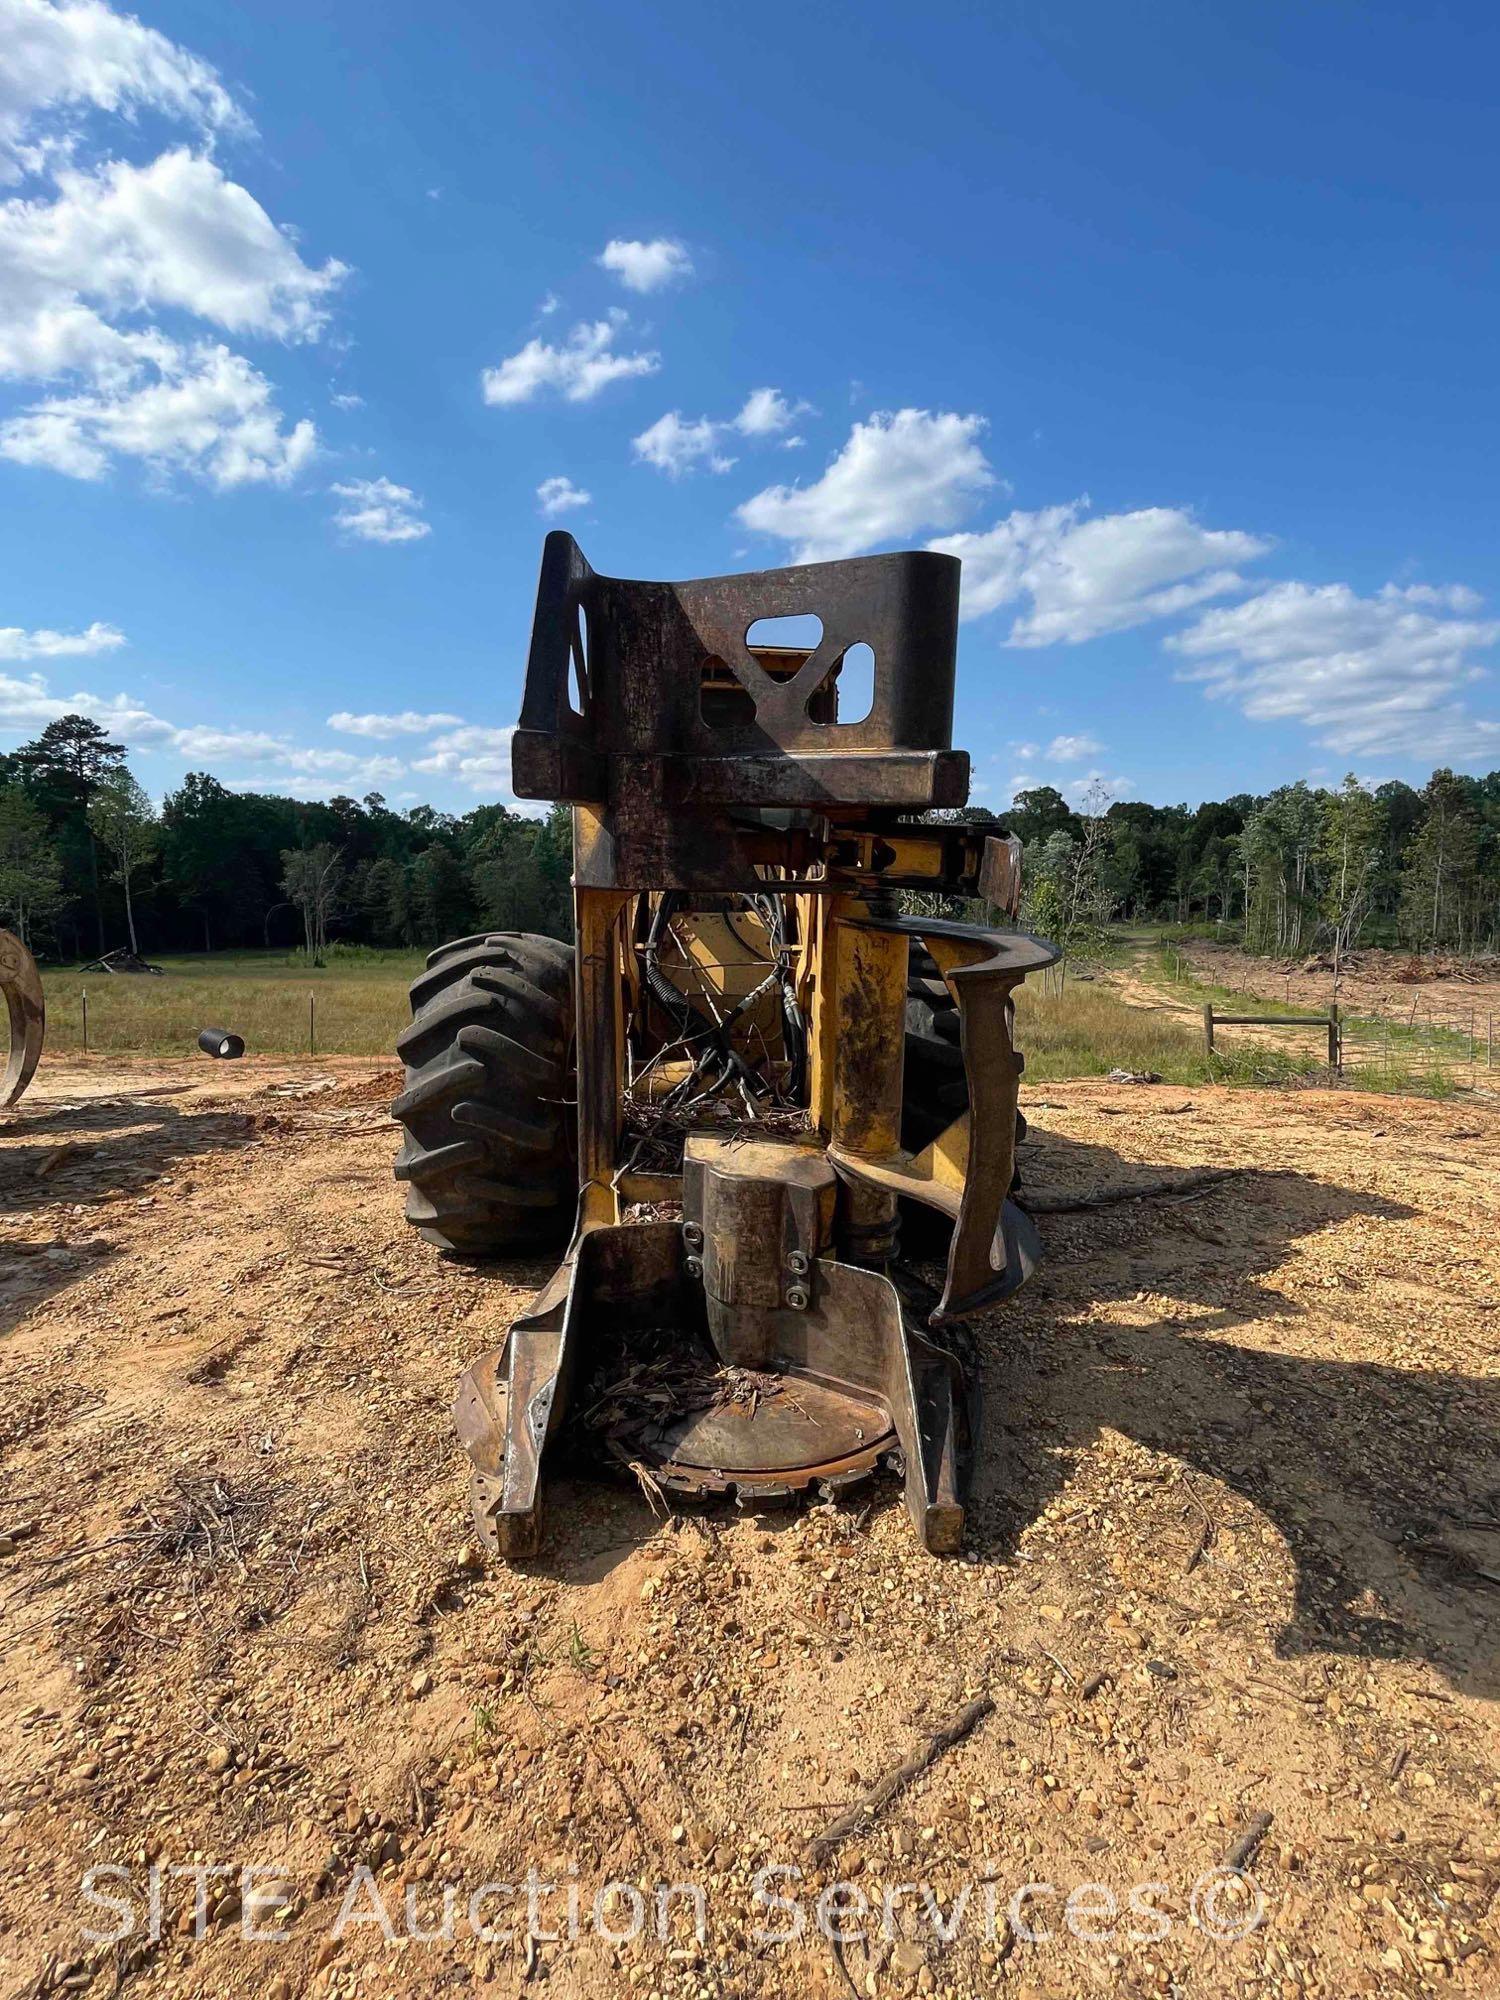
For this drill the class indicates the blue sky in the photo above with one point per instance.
(1176, 322)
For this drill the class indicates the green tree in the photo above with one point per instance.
(123, 822)
(1351, 828)
(62, 770)
(312, 879)
(442, 903)
(1437, 884)
(208, 866)
(30, 870)
(1276, 857)
(386, 903)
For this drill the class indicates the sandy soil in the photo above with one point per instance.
(1234, 1552)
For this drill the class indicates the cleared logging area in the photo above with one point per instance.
(1415, 1039)
(1232, 1567)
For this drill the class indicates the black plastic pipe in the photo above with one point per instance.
(219, 1042)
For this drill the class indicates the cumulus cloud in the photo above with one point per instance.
(1086, 577)
(646, 267)
(87, 261)
(347, 400)
(675, 444)
(477, 757)
(1072, 749)
(174, 233)
(30, 703)
(62, 59)
(577, 368)
(767, 413)
(898, 473)
(1096, 791)
(18, 644)
(1372, 676)
(378, 510)
(407, 723)
(208, 412)
(557, 495)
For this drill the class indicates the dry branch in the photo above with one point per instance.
(880, 1794)
(1242, 1851)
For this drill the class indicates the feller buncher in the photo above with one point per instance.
(753, 1062)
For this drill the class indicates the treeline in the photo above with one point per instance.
(88, 864)
(1301, 868)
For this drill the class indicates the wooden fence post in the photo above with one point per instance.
(1208, 1026)
(85, 1020)
(1335, 1042)
(312, 1040)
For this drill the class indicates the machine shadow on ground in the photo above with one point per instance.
(88, 1156)
(1377, 1478)
(1380, 1480)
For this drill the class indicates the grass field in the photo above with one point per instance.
(1087, 1030)
(359, 1006)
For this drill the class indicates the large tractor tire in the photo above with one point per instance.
(488, 1154)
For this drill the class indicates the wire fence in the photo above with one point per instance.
(1428, 1036)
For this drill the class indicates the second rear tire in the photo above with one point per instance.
(488, 1153)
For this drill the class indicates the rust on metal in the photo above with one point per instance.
(27, 1008)
(742, 970)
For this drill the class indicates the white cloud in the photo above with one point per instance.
(646, 267)
(337, 764)
(173, 233)
(83, 266)
(17, 644)
(378, 510)
(767, 413)
(1372, 676)
(61, 59)
(1096, 790)
(28, 704)
(347, 400)
(1072, 749)
(407, 723)
(1088, 577)
(585, 363)
(675, 444)
(550, 304)
(355, 774)
(477, 757)
(897, 473)
(208, 413)
(556, 495)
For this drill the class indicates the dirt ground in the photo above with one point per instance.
(1389, 985)
(1235, 1552)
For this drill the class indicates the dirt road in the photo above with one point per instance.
(1234, 1553)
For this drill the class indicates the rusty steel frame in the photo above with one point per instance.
(27, 1008)
(679, 782)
